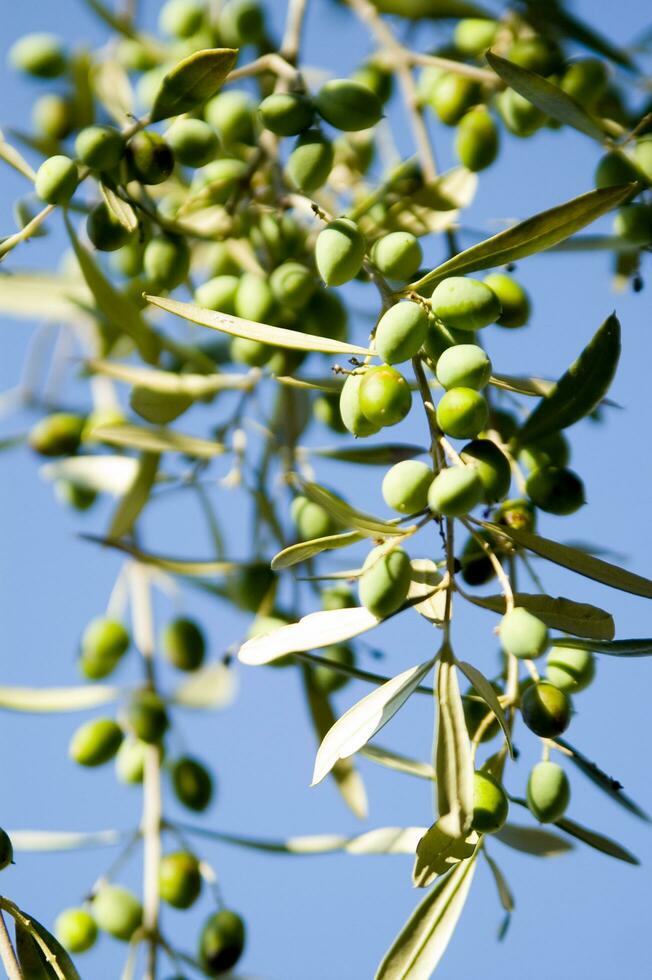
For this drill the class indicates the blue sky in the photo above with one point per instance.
(579, 916)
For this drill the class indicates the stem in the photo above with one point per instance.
(293, 27)
(7, 953)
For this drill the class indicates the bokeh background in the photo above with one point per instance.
(578, 916)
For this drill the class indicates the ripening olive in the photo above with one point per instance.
(452, 95)
(220, 261)
(550, 450)
(158, 407)
(491, 465)
(217, 181)
(476, 139)
(221, 942)
(100, 147)
(556, 490)
(548, 792)
(385, 397)
(615, 168)
(376, 78)
(104, 642)
(326, 409)
(439, 338)
(643, 156)
(72, 495)
(571, 669)
(339, 251)
(465, 304)
(166, 261)
(233, 115)
(513, 299)
(192, 141)
(292, 284)
(311, 161)
(520, 117)
(522, 634)
(241, 22)
(634, 224)
(117, 911)
(477, 568)
(134, 55)
(253, 353)
(218, 293)
(476, 711)
(537, 54)
(41, 55)
(327, 679)
(397, 255)
(310, 519)
(463, 366)
(149, 157)
(249, 585)
(405, 486)
(95, 742)
(455, 491)
(401, 332)
(286, 113)
(127, 261)
(504, 423)
(279, 236)
(56, 179)
(57, 435)
(325, 315)
(104, 230)
(585, 80)
(183, 643)
(348, 105)
(192, 783)
(147, 717)
(519, 514)
(337, 597)
(130, 761)
(490, 805)
(462, 413)
(181, 18)
(385, 581)
(179, 880)
(546, 710)
(254, 299)
(474, 35)
(76, 929)
(53, 116)
(350, 408)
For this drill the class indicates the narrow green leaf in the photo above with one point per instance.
(521, 385)
(606, 783)
(157, 440)
(397, 762)
(8, 244)
(318, 629)
(10, 155)
(438, 852)
(175, 566)
(102, 474)
(597, 841)
(557, 613)
(504, 891)
(31, 958)
(113, 89)
(55, 955)
(57, 840)
(426, 594)
(194, 386)
(331, 385)
(453, 759)
(382, 840)
(55, 699)
(41, 296)
(135, 499)
(213, 686)
(488, 695)
(371, 455)
(547, 15)
(308, 549)
(614, 648)
(349, 516)
(532, 840)
(121, 210)
(433, 207)
(193, 81)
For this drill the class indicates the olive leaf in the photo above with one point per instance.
(136, 497)
(546, 15)
(175, 566)
(453, 759)
(59, 840)
(304, 550)
(31, 958)
(101, 474)
(27, 231)
(580, 389)
(193, 81)
(397, 762)
(532, 840)
(422, 942)
(194, 386)
(577, 561)
(533, 235)
(438, 852)
(549, 98)
(55, 699)
(157, 440)
(425, 593)
(235, 326)
(212, 686)
(365, 718)
(318, 629)
(558, 613)
(382, 840)
(381, 455)
(437, 9)
(11, 155)
(113, 89)
(597, 841)
(121, 210)
(434, 206)
(613, 648)
(606, 783)
(61, 966)
(38, 295)
(349, 516)
(488, 695)
(504, 893)
(521, 385)
(332, 385)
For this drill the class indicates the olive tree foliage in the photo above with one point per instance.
(205, 175)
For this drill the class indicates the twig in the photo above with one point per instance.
(7, 953)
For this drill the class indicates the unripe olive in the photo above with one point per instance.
(221, 942)
(519, 514)
(326, 409)
(522, 634)
(504, 423)
(218, 180)
(546, 710)
(476, 710)
(6, 850)
(95, 742)
(134, 55)
(385, 397)
(571, 669)
(474, 35)
(490, 805)
(310, 519)
(376, 78)
(350, 409)
(325, 315)
(233, 115)
(166, 261)
(556, 490)
(130, 761)
(477, 568)
(220, 261)
(72, 495)
(585, 80)
(179, 880)
(452, 95)
(76, 929)
(634, 224)
(339, 251)
(192, 141)
(253, 353)
(254, 299)
(491, 465)
(218, 293)
(127, 261)
(292, 284)
(41, 55)
(401, 332)
(615, 168)
(455, 491)
(439, 338)
(104, 642)
(104, 230)
(462, 413)
(513, 299)
(465, 304)
(248, 585)
(405, 486)
(548, 792)
(192, 783)
(537, 54)
(56, 179)
(385, 580)
(57, 435)
(397, 255)
(328, 680)
(550, 450)
(181, 18)
(147, 717)
(100, 147)
(116, 910)
(476, 139)
(337, 597)
(150, 158)
(53, 116)
(643, 156)
(286, 113)
(520, 117)
(311, 161)
(241, 22)
(183, 643)
(463, 366)
(348, 105)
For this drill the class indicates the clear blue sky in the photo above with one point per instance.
(581, 916)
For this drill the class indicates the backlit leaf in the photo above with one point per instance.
(55, 699)
(318, 629)
(193, 386)
(57, 840)
(397, 762)
(606, 783)
(121, 210)
(212, 686)
(57, 958)
(557, 613)
(597, 841)
(486, 692)
(304, 550)
(113, 89)
(349, 516)
(101, 474)
(10, 155)
(193, 81)
(43, 296)
(135, 499)
(157, 440)
(437, 853)
(425, 585)
(532, 840)
(371, 455)
(453, 760)
(175, 566)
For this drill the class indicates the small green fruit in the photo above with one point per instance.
(166, 262)
(76, 929)
(376, 78)
(523, 635)
(548, 792)
(537, 54)
(570, 668)
(183, 644)
(634, 224)
(53, 116)
(253, 353)
(217, 181)
(41, 55)
(513, 299)
(643, 156)
(179, 879)
(351, 411)
(337, 597)
(192, 783)
(463, 366)
(104, 642)
(551, 450)
(130, 761)
(149, 157)
(474, 35)
(476, 139)
(520, 117)
(218, 293)
(311, 520)
(519, 514)
(117, 911)
(477, 568)
(6, 850)
(100, 147)
(616, 168)
(72, 495)
(556, 490)
(546, 710)
(452, 96)
(57, 435)
(585, 80)
(292, 285)
(249, 585)
(439, 338)
(286, 113)
(339, 251)
(462, 413)
(491, 465)
(95, 742)
(326, 409)
(221, 942)
(385, 581)
(455, 491)
(397, 255)
(104, 230)
(385, 397)
(147, 716)
(56, 179)
(400, 332)
(465, 304)
(490, 805)
(325, 315)
(241, 22)
(127, 261)
(311, 161)
(254, 299)
(233, 115)
(348, 105)
(327, 680)
(405, 486)
(476, 711)
(220, 261)
(181, 18)
(192, 141)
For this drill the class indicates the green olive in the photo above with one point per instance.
(519, 514)
(166, 261)
(104, 230)
(149, 157)
(439, 338)
(348, 105)
(286, 113)
(452, 95)
(127, 260)
(192, 783)
(513, 299)
(103, 644)
(57, 435)
(465, 304)
(401, 332)
(192, 141)
(179, 880)
(490, 805)
(550, 450)
(476, 139)
(615, 168)
(385, 397)
(311, 161)
(292, 284)
(95, 742)
(253, 353)
(405, 486)
(476, 711)
(38, 54)
(455, 491)
(548, 792)
(233, 115)
(585, 80)
(491, 465)
(218, 293)
(473, 35)
(72, 495)
(56, 180)
(339, 251)
(351, 411)
(643, 156)
(397, 255)
(134, 55)
(241, 22)
(147, 717)
(181, 18)
(310, 519)
(329, 680)
(462, 413)
(523, 635)
(555, 490)
(76, 929)
(338, 597)
(325, 315)
(54, 116)
(221, 942)
(546, 710)
(633, 223)
(376, 78)
(217, 181)
(220, 261)
(463, 366)
(571, 669)
(249, 585)
(254, 299)
(477, 568)
(116, 910)
(326, 409)
(6, 850)
(100, 147)
(537, 54)
(504, 423)
(130, 761)
(385, 581)
(520, 117)
(183, 643)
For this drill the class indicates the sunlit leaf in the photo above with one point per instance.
(597, 841)
(58, 840)
(382, 840)
(121, 210)
(175, 566)
(304, 550)
(136, 498)
(349, 516)
(101, 474)
(113, 89)
(521, 385)
(606, 783)
(453, 759)
(438, 852)
(212, 686)
(157, 440)
(43, 296)
(397, 762)
(193, 386)
(55, 699)
(371, 455)
(10, 155)
(29, 229)
(193, 81)
(532, 840)
(434, 206)
(557, 613)
(318, 629)
(486, 692)
(425, 585)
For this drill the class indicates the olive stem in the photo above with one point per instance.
(293, 26)
(8, 954)
(505, 583)
(272, 62)
(429, 408)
